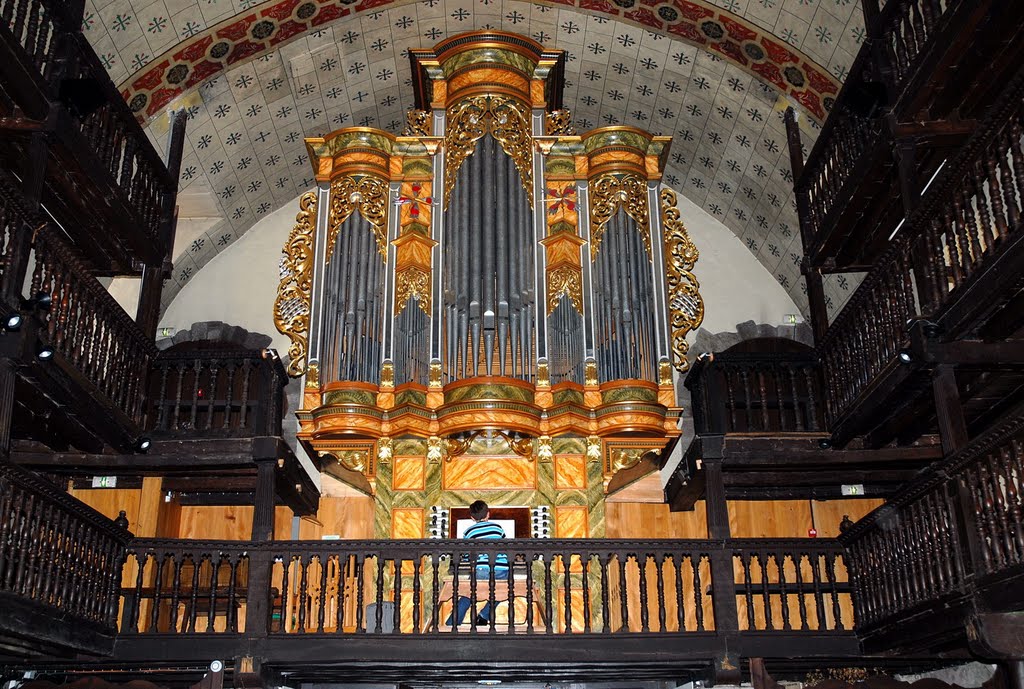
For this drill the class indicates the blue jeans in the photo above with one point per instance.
(483, 573)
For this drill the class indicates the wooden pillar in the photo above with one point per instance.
(811, 272)
(148, 311)
(263, 505)
(948, 410)
(723, 587)
(7, 377)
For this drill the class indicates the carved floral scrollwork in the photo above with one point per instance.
(608, 194)
(559, 123)
(566, 280)
(292, 306)
(368, 195)
(417, 123)
(507, 120)
(685, 305)
(412, 282)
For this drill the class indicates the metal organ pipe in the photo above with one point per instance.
(488, 270)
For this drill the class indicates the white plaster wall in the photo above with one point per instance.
(736, 287)
(238, 286)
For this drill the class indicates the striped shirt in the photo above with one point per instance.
(486, 529)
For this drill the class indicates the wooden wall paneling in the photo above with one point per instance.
(345, 517)
(647, 520)
(110, 501)
(769, 519)
(828, 514)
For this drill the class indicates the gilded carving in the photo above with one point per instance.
(313, 376)
(608, 194)
(417, 123)
(545, 453)
(384, 450)
(664, 372)
(594, 447)
(565, 279)
(435, 449)
(387, 375)
(590, 372)
(292, 306)
(434, 380)
(368, 195)
(625, 458)
(685, 305)
(507, 120)
(412, 282)
(543, 374)
(559, 123)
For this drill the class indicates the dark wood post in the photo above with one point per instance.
(948, 410)
(723, 588)
(148, 313)
(812, 274)
(263, 504)
(7, 377)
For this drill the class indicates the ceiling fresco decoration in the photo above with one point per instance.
(257, 77)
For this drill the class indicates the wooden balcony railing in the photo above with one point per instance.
(740, 392)
(57, 553)
(557, 587)
(87, 328)
(32, 33)
(904, 30)
(966, 221)
(124, 151)
(953, 532)
(215, 394)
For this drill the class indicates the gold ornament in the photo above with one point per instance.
(559, 123)
(685, 305)
(626, 458)
(368, 195)
(566, 279)
(417, 123)
(506, 119)
(313, 376)
(664, 372)
(545, 453)
(594, 447)
(543, 376)
(608, 194)
(412, 282)
(292, 305)
(384, 450)
(435, 449)
(434, 381)
(387, 375)
(590, 372)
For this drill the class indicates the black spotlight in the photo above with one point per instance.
(825, 443)
(142, 444)
(42, 301)
(44, 352)
(13, 322)
(905, 356)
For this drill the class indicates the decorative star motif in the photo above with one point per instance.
(559, 198)
(415, 200)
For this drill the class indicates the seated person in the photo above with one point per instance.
(481, 528)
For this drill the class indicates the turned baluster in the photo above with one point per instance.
(698, 590)
(178, 561)
(152, 625)
(232, 366)
(984, 213)
(783, 592)
(731, 398)
(966, 222)
(604, 562)
(246, 367)
(378, 594)
(748, 593)
(33, 28)
(623, 603)
(924, 545)
(641, 566)
(1012, 471)
(830, 574)
(566, 591)
(745, 377)
(677, 566)
(992, 541)
(935, 553)
(472, 590)
(510, 591)
(916, 21)
(194, 597)
(417, 568)
(8, 9)
(1001, 504)
(1002, 153)
(211, 613)
(801, 600)
(766, 596)
(435, 595)
(548, 599)
(396, 620)
(995, 192)
(798, 421)
(1018, 159)
(197, 372)
(659, 563)
(211, 393)
(530, 559)
(763, 392)
(344, 576)
(952, 539)
(22, 545)
(819, 600)
(177, 395)
(231, 623)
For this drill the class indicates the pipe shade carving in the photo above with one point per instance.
(291, 308)
(685, 305)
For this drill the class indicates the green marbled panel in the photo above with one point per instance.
(383, 502)
(486, 391)
(350, 396)
(567, 396)
(601, 138)
(568, 445)
(558, 165)
(492, 56)
(629, 394)
(595, 495)
(566, 147)
(560, 227)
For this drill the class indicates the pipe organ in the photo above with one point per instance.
(490, 278)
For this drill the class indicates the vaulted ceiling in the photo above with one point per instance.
(258, 76)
